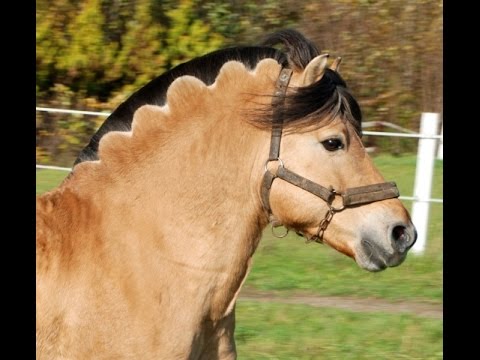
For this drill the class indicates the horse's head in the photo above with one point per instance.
(369, 224)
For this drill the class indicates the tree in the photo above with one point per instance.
(188, 36)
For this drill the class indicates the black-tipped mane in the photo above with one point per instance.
(205, 68)
(298, 49)
(303, 106)
(324, 99)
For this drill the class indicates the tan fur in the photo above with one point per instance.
(336, 64)
(141, 255)
(315, 69)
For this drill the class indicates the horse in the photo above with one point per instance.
(142, 251)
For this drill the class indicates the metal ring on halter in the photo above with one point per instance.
(334, 209)
(278, 159)
(276, 235)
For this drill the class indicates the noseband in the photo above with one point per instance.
(351, 197)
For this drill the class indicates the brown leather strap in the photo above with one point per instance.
(352, 196)
(370, 193)
(267, 181)
(308, 185)
(277, 103)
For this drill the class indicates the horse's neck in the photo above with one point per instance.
(191, 206)
(180, 193)
(205, 193)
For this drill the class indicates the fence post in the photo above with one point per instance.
(423, 179)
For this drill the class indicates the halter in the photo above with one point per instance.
(351, 197)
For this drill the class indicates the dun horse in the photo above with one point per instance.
(143, 249)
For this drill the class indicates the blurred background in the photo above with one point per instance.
(92, 54)
(300, 301)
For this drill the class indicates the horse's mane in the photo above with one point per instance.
(303, 106)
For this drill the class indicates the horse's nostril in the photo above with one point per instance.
(402, 239)
(399, 233)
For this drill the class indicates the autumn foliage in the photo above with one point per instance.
(92, 54)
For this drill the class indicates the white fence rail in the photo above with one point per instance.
(67, 111)
(428, 140)
(51, 167)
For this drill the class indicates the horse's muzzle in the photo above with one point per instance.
(377, 255)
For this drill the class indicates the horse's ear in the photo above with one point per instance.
(336, 64)
(315, 69)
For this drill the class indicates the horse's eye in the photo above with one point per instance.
(333, 144)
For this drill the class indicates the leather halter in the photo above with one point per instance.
(351, 197)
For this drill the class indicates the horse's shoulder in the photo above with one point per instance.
(62, 219)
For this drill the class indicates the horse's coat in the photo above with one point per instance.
(142, 254)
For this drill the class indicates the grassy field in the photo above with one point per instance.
(289, 266)
(49, 179)
(279, 331)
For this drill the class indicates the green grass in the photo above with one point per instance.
(279, 331)
(49, 179)
(289, 265)
(401, 169)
